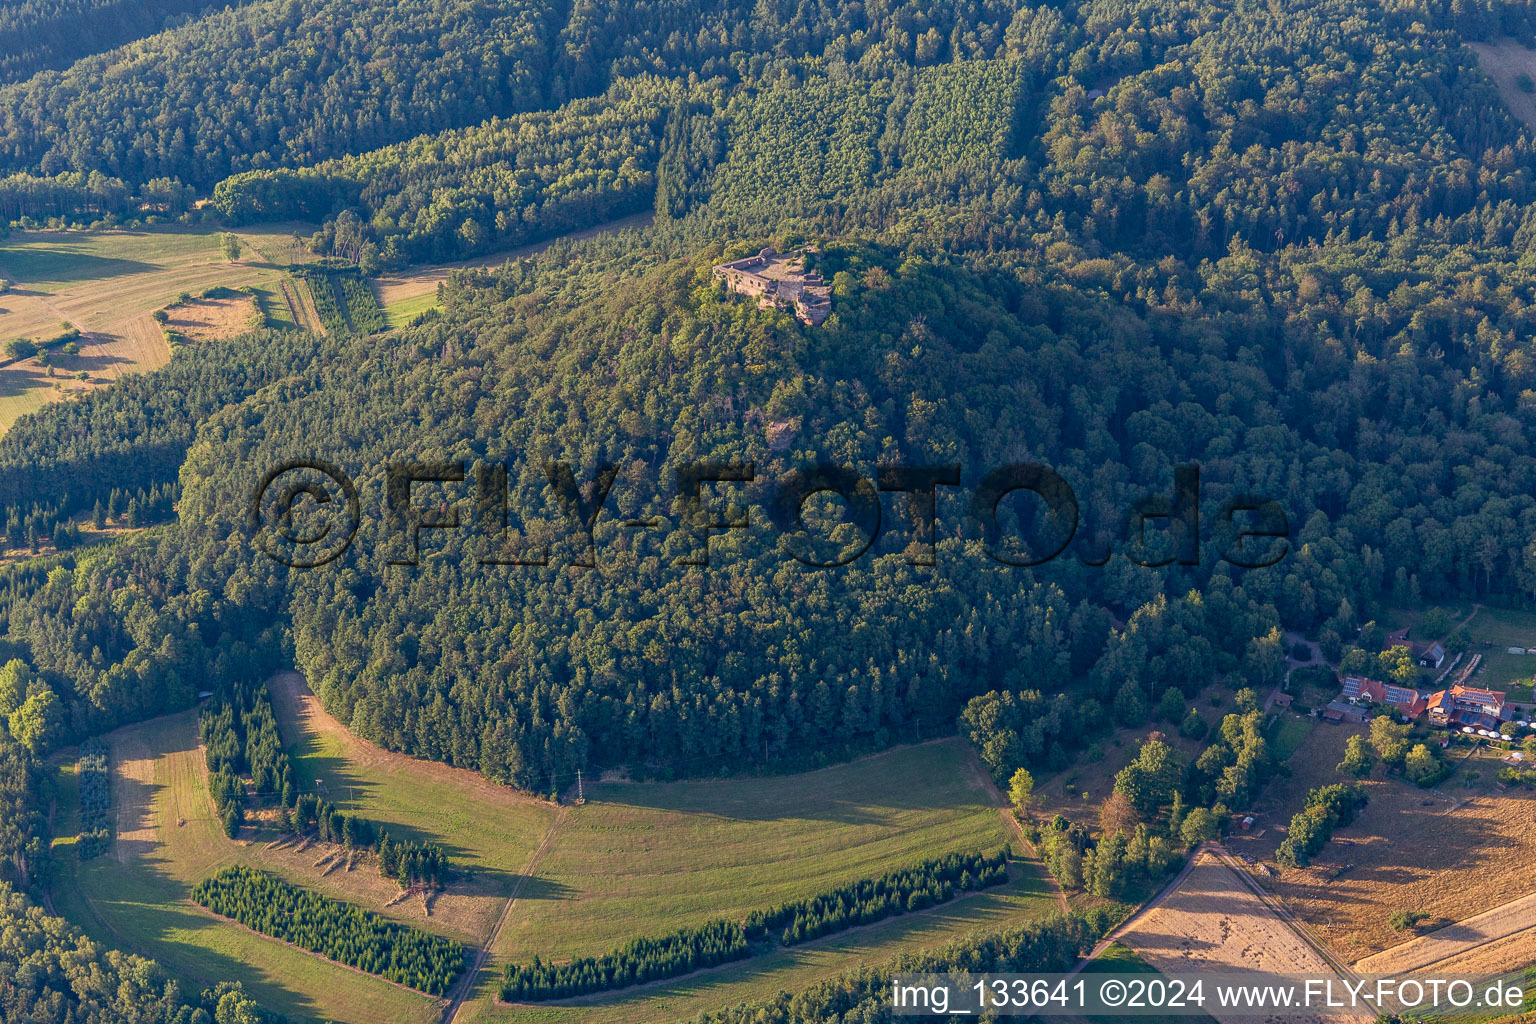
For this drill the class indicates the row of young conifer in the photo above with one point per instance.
(874, 899)
(409, 863)
(342, 932)
(240, 738)
(637, 962)
(720, 941)
(94, 779)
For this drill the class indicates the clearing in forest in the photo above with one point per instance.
(636, 859)
(1505, 62)
(169, 839)
(105, 284)
(411, 292)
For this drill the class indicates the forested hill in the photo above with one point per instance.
(286, 82)
(39, 34)
(1285, 245)
(612, 352)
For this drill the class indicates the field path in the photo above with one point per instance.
(467, 983)
(1011, 825)
(1454, 939)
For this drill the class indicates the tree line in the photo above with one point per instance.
(1327, 808)
(635, 963)
(40, 34)
(240, 738)
(874, 899)
(93, 777)
(719, 941)
(339, 931)
(1050, 945)
(409, 862)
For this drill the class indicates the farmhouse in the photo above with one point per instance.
(782, 280)
(1404, 700)
(1467, 706)
(1430, 655)
(1343, 711)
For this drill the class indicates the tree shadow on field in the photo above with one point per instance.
(20, 378)
(66, 265)
(924, 777)
(1169, 943)
(537, 888)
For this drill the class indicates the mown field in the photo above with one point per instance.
(1408, 850)
(168, 839)
(635, 859)
(106, 283)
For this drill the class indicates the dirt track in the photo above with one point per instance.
(1213, 922)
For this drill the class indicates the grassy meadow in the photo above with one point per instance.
(106, 284)
(634, 859)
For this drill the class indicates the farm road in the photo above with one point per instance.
(1455, 939)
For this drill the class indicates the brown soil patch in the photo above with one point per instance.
(1214, 922)
(213, 319)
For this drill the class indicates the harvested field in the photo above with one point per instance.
(1214, 922)
(1507, 954)
(105, 284)
(1408, 850)
(1456, 940)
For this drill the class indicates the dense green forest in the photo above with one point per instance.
(54, 973)
(38, 34)
(288, 82)
(1287, 244)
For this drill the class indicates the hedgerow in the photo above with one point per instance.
(338, 931)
